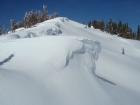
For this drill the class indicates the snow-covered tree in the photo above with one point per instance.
(13, 25)
(52, 16)
(44, 13)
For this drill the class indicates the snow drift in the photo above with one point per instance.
(35, 60)
(54, 63)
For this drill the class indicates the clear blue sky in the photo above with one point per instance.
(77, 10)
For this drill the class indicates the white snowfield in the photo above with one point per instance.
(53, 63)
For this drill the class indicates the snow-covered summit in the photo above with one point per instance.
(54, 62)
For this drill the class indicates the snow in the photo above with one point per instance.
(60, 62)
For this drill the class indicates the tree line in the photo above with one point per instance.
(120, 29)
(31, 18)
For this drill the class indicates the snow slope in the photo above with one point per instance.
(54, 62)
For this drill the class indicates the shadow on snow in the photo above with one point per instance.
(105, 80)
(7, 59)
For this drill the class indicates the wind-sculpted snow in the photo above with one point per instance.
(93, 47)
(41, 29)
(31, 35)
(54, 63)
(53, 31)
(13, 36)
(89, 46)
(29, 70)
(58, 25)
(64, 19)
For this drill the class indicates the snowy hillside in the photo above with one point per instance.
(60, 62)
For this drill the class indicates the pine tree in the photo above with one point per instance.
(89, 24)
(27, 22)
(130, 33)
(33, 18)
(127, 31)
(119, 29)
(138, 33)
(44, 13)
(52, 16)
(124, 30)
(110, 26)
(4, 30)
(13, 25)
(107, 28)
(133, 35)
(95, 24)
(114, 28)
(38, 16)
(0, 30)
(102, 25)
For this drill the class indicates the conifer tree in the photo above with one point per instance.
(89, 24)
(107, 28)
(133, 35)
(52, 16)
(95, 24)
(119, 29)
(102, 25)
(13, 25)
(38, 16)
(27, 20)
(127, 32)
(138, 33)
(0, 29)
(44, 13)
(4, 30)
(110, 26)
(124, 31)
(114, 28)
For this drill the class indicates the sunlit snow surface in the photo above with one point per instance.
(60, 62)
